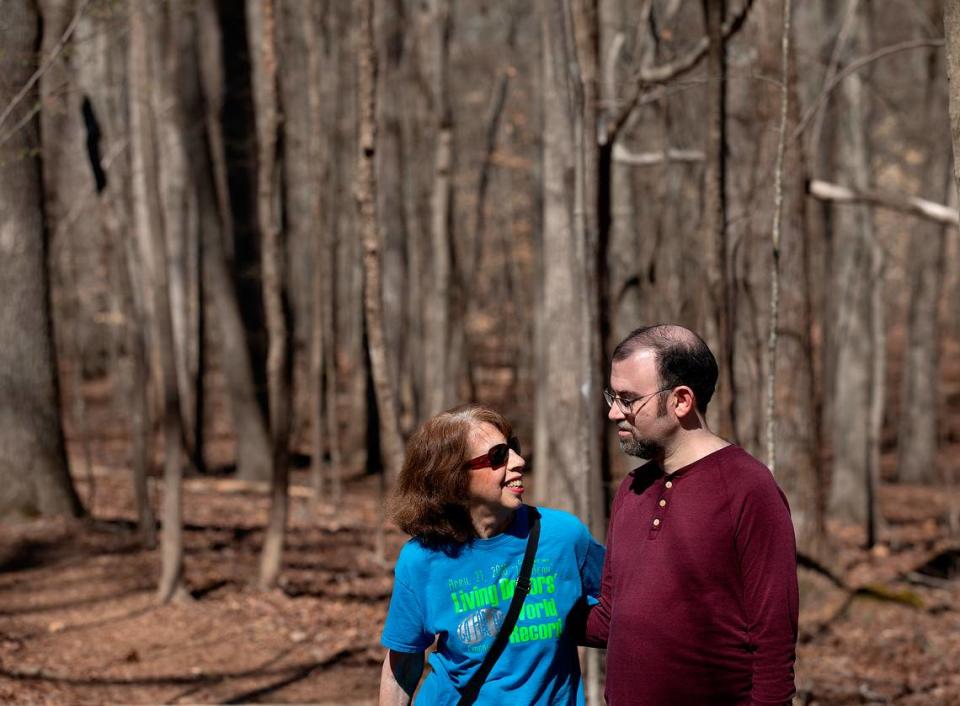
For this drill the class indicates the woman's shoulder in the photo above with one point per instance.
(561, 521)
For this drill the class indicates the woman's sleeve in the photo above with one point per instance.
(405, 629)
(591, 567)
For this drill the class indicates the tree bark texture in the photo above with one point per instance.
(34, 479)
(398, 185)
(175, 98)
(365, 193)
(720, 323)
(148, 218)
(261, 25)
(797, 423)
(253, 451)
(438, 385)
(852, 386)
(567, 428)
(918, 429)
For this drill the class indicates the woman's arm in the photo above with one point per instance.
(399, 677)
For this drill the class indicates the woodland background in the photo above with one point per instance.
(247, 247)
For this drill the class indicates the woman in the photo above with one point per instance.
(460, 495)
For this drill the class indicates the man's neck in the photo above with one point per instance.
(689, 447)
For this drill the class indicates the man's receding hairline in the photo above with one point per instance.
(645, 340)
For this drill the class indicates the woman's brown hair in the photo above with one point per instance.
(430, 499)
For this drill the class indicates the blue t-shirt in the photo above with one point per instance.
(460, 596)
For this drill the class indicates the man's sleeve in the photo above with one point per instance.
(768, 562)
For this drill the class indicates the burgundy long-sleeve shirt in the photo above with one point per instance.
(699, 598)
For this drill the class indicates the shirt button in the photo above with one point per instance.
(669, 484)
(663, 503)
(656, 522)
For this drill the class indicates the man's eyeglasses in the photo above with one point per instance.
(626, 403)
(497, 455)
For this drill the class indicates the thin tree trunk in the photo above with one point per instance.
(918, 429)
(568, 426)
(855, 326)
(951, 31)
(173, 40)
(400, 116)
(720, 322)
(149, 224)
(438, 390)
(325, 464)
(261, 26)
(132, 402)
(253, 452)
(365, 190)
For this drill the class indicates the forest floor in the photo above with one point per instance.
(79, 623)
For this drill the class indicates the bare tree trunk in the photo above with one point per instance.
(398, 182)
(132, 401)
(365, 190)
(918, 431)
(250, 428)
(568, 424)
(795, 424)
(326, 472)
(71, 221)
(104, 62)
(262, 36)
(174, 39)
(855, 335)
(34, 478)
(438, 388)
(720, 323)
(149, 225)
(299, 193)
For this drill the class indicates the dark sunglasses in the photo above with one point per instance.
(497, 455)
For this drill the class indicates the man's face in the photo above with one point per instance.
(641, 428)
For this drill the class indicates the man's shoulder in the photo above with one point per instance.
(745, 475)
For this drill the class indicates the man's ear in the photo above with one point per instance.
(684, 401)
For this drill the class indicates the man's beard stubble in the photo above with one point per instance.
(641, 448)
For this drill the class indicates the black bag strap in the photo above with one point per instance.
(469, 693)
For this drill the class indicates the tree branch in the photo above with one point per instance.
(67, 33)
(648, 159)
(653, 75)
(911, 205)
(854, 66)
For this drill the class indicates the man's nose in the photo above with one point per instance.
(615, 414)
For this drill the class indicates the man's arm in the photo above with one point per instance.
(768, 562)
(399, 677)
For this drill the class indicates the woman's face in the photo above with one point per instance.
(494, 491)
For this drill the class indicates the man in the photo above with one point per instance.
(699, 599)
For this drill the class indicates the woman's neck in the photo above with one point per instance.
(489, 523)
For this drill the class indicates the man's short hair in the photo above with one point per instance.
(682, 358)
